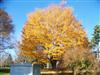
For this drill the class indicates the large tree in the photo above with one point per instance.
(49, 32)
(6, 29)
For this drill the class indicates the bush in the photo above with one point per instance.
(4, 70)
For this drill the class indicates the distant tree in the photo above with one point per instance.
(95, 42)
(23, 59)
(8, 61)
(6, 29)
(96, 36)
(80, 61)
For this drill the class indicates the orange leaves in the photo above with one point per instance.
(53, 28)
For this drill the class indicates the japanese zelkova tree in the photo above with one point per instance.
(49, 32)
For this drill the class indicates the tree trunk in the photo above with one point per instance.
(74, 72)
(53, 63)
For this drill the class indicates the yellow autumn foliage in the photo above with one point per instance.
(50, 32)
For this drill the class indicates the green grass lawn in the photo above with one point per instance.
(5, 71)
(9, 74)
(4, 74)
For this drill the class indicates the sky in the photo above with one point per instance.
(86, 11)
